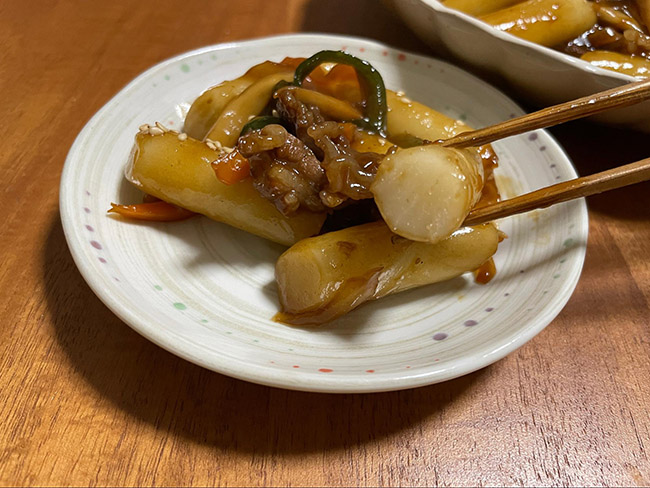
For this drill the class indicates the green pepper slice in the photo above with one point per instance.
(369, 78)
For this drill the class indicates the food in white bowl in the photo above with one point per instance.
(547, 51)
(289, 150)
(610, 34)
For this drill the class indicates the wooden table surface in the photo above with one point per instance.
(88, 401)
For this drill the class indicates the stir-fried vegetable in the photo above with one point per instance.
(369, 78)
(249, 104)
(610, 34)
(329, 106)
(280, 150)
(232, 168)
(153, 211)
(207, 108)
(545, 22)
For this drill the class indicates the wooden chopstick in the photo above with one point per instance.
(611, 179)
(582, 107)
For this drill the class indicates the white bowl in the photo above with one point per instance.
(539, 74)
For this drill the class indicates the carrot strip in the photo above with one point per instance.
(232, 168)
(340, 81)
(155, 211)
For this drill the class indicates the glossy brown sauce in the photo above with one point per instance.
(609, 33)
(490, 195)
(485, 272)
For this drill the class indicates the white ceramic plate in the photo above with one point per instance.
(206, 292)
(540, 74)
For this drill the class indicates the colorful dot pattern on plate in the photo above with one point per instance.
(206, 291)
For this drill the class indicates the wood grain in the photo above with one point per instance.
(87, 401)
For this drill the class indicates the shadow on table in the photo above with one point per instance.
(594, 148)
(174, 395)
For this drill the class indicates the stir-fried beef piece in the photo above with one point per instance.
(349, 173)
(300, 115)
(318, 169)
(284, 170)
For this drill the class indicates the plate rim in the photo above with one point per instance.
(275, 378)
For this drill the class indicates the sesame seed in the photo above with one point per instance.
(211, 145)
(156, 131)
(144, 128)
(182, 136)
(161, 127)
